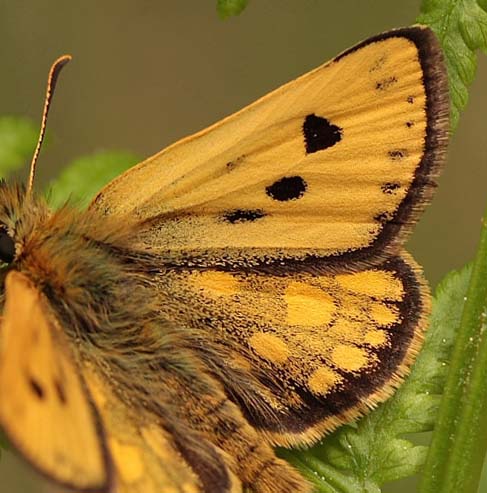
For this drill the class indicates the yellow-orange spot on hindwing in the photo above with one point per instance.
(350, 358)
(323, 380)
(128, 460)
(216, 283)
(384, 315)
(308, 305)
(375, 338)
(375, 283)
(346, 330)
(270, 347)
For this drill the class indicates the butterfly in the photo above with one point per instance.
(245, 288)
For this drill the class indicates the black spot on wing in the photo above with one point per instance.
(409, 124)
(36, 388)
(378, 64)
(384, 84)
(398, 154)
(60, 391)
(383, 217)
(287, 188)
(243, 215)
(390, 188)
(231, 165)
(410, 99)
(319, 133)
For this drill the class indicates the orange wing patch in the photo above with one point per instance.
(45, 409)
(308, 305)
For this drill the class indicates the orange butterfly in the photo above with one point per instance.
(244, 288)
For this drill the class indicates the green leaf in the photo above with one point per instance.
(18, 138)
(360, 457)
(84, 177)
(461, 26)
(459, 442)
(229, 8)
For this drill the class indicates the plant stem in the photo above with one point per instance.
(459, 443)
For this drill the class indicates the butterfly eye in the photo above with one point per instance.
(7, 247)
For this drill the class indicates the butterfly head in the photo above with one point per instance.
(20, 214)
(7, 247)
(16, 201)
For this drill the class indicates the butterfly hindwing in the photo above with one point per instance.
(316, 348)
(336, 164)
(45, 410)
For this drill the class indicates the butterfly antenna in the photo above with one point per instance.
(51, 85)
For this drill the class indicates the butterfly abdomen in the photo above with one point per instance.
(211, 415)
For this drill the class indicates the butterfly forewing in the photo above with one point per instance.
(44, 408)
(145, 455)
(337, 161)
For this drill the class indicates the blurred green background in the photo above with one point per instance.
(146, 73)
